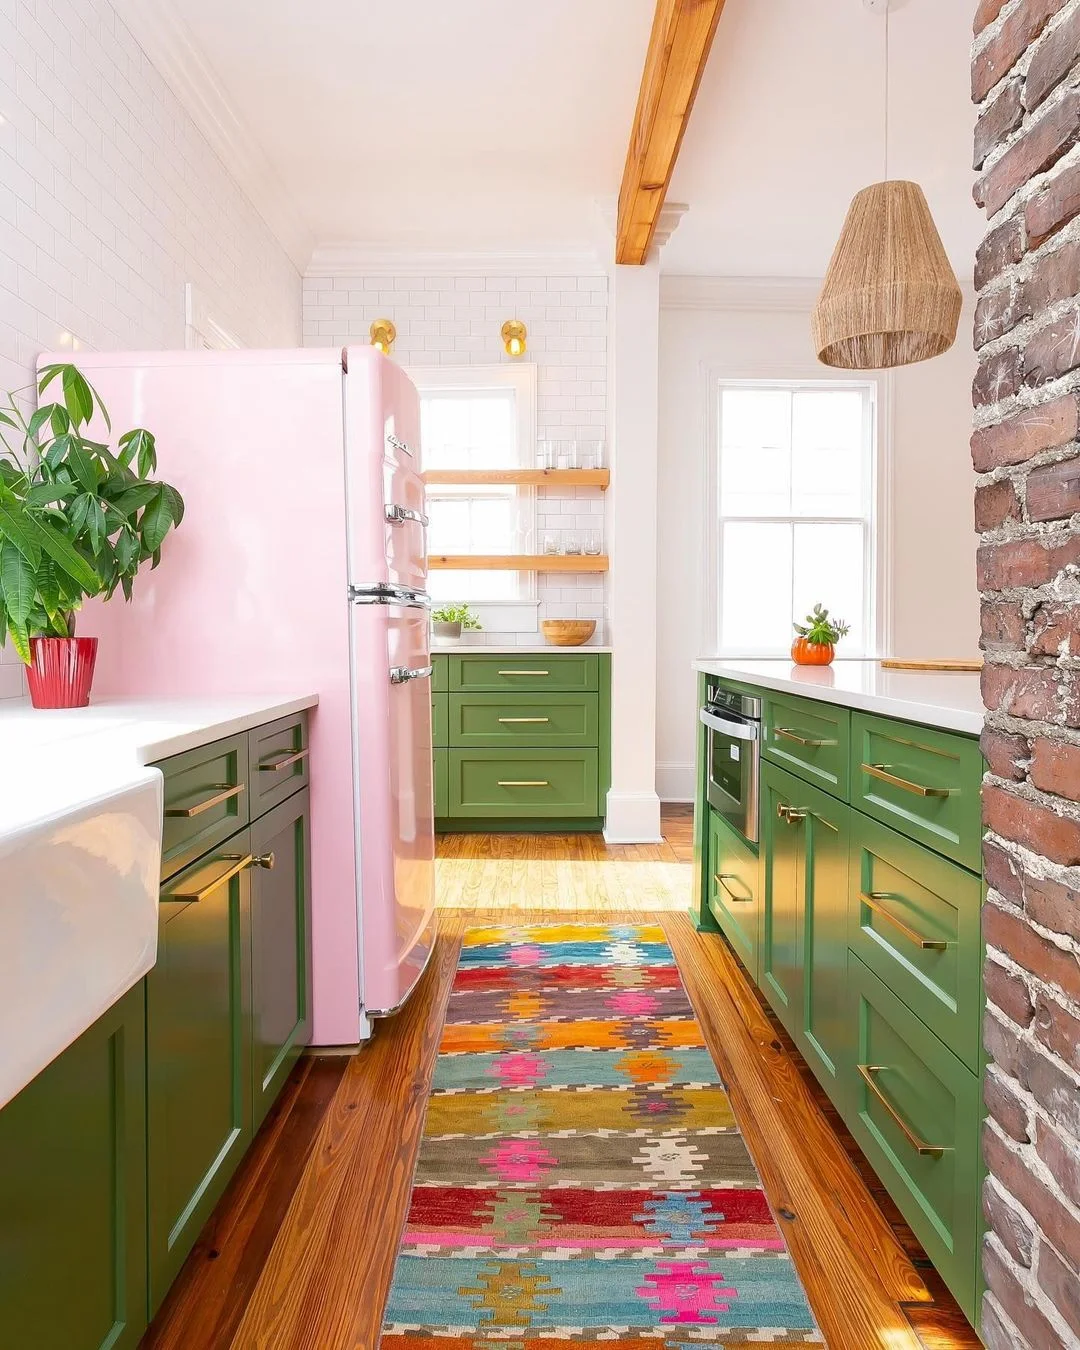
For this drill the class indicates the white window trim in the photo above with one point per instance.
(715, 377)
(511, 616)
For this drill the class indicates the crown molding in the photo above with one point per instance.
(793, 294)
(369, 260)
(171, 48)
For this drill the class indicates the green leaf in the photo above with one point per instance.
(48, 587)
(16, 527)
(139, 445)
(67, 557)
(176, 503)
(155, 523)
(20, 640)
(17, 579)
(78, 512)
(44, 494)
(78, 398)
(134, 498)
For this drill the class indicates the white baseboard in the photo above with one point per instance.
(632, 818)
(676, 782)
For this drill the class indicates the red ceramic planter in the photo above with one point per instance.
(61, 671)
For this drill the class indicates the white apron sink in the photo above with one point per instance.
(80, 853)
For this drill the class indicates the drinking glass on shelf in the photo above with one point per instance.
(591, 454)
(550, 545)
(573, 455)
(593, 544)
(545, 455)
(571, 543)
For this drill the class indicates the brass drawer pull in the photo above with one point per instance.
(276, 765)
(920, 789)
(870, 900)
(791, 814)
(223, 793)
(919, 1145)
(790, 735)
(722, 879)
(509, 721)
(236, 866)
(524, 672)
(523, 782)
(267, 860)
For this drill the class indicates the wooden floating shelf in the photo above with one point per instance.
(517, 562)
(598, 478)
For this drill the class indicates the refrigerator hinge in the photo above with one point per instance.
(367, 1026)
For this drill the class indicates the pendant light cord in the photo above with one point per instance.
(888, 6)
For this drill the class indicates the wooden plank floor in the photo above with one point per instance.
(300, 1251)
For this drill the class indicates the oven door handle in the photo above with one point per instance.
(741, 731)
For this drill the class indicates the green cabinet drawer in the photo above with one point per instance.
(734, 890)
(530, 674)
(808, 739)
(198, 1009)
(280, 949)
(496, 720)
(278, 759)
(440, 719)
(73, 1193)
(921, 781)
(913, 918)
(206, 800)
(440, 672)
(442, 784)
(915, 1110)
(535, 783)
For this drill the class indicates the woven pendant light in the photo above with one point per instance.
(890, 295)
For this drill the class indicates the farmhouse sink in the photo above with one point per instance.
(80, 854)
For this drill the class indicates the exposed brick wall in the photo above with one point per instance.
(1026, 82)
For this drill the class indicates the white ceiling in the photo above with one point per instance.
(482, 125)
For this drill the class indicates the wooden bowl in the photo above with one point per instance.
(568, 632)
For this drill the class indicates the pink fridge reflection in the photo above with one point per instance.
(300, 566)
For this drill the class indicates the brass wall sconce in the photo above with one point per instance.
(514, 333)
(383, 335)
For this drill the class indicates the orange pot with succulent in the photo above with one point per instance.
(816, 641)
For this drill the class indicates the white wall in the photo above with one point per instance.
(454, 320)
(110, 200)
(934, 597)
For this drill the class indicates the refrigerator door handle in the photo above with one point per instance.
(386, 593)
(403, 674)
(398, 515)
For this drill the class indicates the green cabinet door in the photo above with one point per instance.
(73, 1194)
(824, 1035)
(280, 948)
(442, 784)
(198, 1051)
(781, 848)
(522, 783)
(734, 891)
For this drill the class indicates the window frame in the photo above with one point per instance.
(509, 615)
(876, 522)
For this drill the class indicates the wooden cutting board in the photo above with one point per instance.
(932, 665)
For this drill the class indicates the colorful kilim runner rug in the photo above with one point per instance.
(581, 1178)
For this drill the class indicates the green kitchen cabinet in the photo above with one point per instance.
(198, 1021)
(803, 960)
(442, 784)
(543, 672)
(534, 782)
(809, 739)
(734, 891)
(73, 1193)
(206, 800)
(280, 948)
(506, 720)
(440, 719)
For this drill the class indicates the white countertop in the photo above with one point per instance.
(947, 699)
(509, 648)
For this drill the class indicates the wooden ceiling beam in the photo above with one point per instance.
(682, 34)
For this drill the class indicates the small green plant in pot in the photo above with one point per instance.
(450, 620)
(77, 520)
(816, 642)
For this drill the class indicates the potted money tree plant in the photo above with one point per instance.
(77, 519)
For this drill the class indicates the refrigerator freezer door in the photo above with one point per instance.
(385, 492)
(396, 837)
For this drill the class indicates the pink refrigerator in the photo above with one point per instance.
(300, 566)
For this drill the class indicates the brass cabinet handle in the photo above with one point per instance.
(236, 866)
(919, 1145)
(223, 793)
(871, 898)
(276, 765)
(722, 879)
(522, 782)
(509, 721)
(524, 672)
(790, 735)
(267, 860)
(920, 789)
(792, 814)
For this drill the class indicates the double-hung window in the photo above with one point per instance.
(479, 419)
(796, 511)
